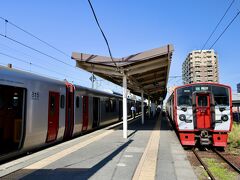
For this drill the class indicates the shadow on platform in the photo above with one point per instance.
(72, 173)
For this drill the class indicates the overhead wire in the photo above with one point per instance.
(46, 43)
(30, 56)
(34, 49)
(36, 65)
(18, 51)
(214, 30)
(217, 27)
(225, 29)
(106, 41)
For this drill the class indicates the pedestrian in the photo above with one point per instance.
(133, 111)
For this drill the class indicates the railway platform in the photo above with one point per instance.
(147, 153)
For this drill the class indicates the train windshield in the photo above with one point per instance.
(184, 96)
(221, 95)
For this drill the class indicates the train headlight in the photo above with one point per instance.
(224, 117)
(182, 117)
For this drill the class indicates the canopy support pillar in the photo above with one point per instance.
(149, 108)
(142, 107)
(125, 106)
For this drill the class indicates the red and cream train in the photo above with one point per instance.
(201, 113)
(36, 111)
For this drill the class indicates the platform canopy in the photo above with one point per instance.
(146, 71)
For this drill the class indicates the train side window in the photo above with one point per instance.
(114, 105)
(62, 103)
(15, 99)
(111, 105)
(107, 103)
(77, 102)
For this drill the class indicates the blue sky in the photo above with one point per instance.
(130, 26)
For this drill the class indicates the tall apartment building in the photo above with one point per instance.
(200, 66)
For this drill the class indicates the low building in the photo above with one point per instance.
(238, 87)
(236, 106)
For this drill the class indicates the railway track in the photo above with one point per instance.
(205, 166)
(227, 161)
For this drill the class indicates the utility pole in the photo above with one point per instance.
(92, 79)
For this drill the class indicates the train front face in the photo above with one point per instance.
(203, 114)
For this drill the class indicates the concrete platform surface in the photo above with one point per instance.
(147, 154)
(172, 159)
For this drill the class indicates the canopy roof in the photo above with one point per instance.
(146, 71)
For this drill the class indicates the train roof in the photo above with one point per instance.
(31, 76)
(95, 91)
(202, 83)
(27, 75)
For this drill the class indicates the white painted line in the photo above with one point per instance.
(128, 156)
(121, 164)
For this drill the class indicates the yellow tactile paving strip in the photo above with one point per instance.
(146, 168)
(46, 161)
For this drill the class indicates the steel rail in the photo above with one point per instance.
(227, 161)
(204, 165)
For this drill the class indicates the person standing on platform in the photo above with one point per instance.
(133, 111)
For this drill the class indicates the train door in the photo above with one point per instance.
(69, 118)
(85, 113)
(12, 118)
(203, 114)
(96, 111)
(53, 116)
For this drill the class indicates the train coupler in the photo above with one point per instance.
(205, 138)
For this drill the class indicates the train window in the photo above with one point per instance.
(15, 99)
(107, 105)
(221, 95)
(112, 105)
(84, 105)
(85, 101)
(184, 96)
(52, 104)
(202, 101)
(185, 100)
(77, 102)
(62, 101)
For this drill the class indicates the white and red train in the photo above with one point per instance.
(201, 113)
(36, 111)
